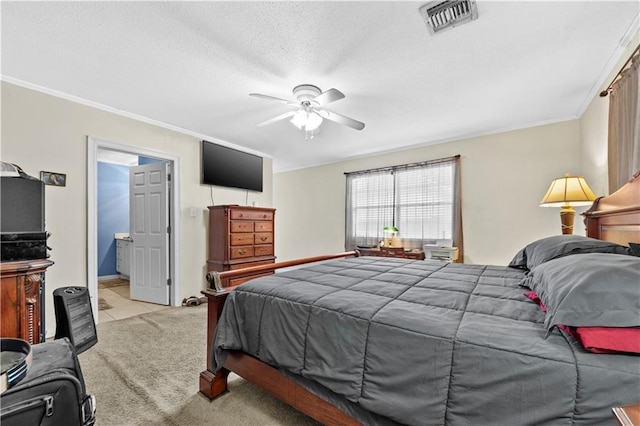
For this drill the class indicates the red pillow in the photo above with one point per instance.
(600, 340)
(605, 340)
(533, 296)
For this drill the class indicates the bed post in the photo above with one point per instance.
(213, 384)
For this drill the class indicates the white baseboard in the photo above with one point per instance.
(109, 277)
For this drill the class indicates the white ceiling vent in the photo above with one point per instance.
(440, 15)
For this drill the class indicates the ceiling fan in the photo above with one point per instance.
(310, 111)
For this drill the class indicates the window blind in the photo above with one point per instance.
(418, 199)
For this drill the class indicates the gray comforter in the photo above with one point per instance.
(427, 343)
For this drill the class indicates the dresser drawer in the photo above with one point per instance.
(240, 280)
(263, 238)
(251, 215)
(241, 239)
(241, 252)
(240, 226)
(249, 264)
(266, 250)
(263, 226)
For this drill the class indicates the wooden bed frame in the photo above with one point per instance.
(613, 218)
(213, 384)
(616, 217)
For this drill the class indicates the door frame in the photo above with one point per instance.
(93, 146)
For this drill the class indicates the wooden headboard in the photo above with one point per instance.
(616, 217)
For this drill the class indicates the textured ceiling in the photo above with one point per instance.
(192, 65)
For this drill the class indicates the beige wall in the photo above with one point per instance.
(504, 176)
(43, 132)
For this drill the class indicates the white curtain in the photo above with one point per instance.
(624, 127)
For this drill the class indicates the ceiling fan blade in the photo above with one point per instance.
(329, 96)
(278, 118)
(272, 98)
(355, 124)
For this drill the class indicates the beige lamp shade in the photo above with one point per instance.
(566, 192)
(572, 190)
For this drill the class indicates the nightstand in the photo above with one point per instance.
(628, 415)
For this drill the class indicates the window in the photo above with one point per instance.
(418, 199)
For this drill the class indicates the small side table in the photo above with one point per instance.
(628, 415)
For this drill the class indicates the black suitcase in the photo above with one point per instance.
(52, 392)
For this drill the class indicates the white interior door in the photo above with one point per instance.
(149, 229)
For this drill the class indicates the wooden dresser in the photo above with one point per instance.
(22, 299)
(240, 237)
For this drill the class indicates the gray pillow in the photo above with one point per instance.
(589, 290)
(545, 249)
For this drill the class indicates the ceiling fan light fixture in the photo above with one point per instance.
(308, 121)
(313, 121)
(299, 119)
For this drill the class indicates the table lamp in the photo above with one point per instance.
(390, 235)
(566, 192)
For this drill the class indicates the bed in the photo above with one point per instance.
(365, 340)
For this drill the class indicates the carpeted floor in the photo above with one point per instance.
(145, 370)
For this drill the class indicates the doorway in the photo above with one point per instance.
(96, 147)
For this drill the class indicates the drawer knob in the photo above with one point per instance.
(265, 216)
(240, 215)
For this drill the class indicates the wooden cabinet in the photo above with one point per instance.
(240, 237)
(22, 299)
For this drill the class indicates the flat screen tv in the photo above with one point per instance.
(223, 166)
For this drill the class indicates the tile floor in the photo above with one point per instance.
(114, 302)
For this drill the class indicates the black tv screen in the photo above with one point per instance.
(223, 166)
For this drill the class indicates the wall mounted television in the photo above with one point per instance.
(223, 166)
